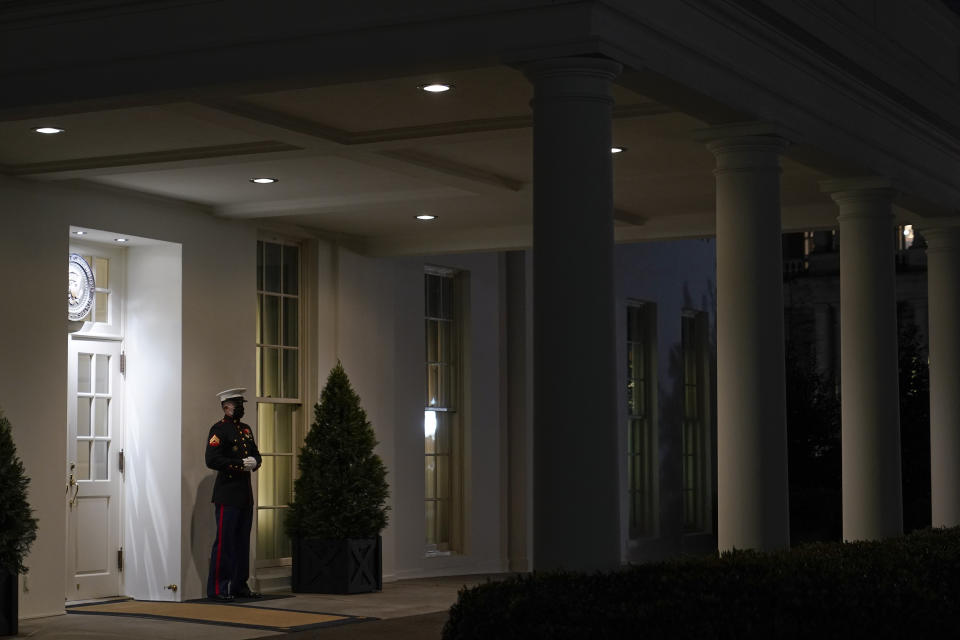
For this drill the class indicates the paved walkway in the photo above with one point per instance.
(407, 609)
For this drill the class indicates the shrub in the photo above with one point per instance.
(18, 527)
(342, 489)
(896, 588)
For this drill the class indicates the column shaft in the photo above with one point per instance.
(943, 295)
(751, 398)
(576, 499)
(870, 401)
(823, 331)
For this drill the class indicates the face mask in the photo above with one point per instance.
(237, 411)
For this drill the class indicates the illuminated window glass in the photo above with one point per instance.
(279, 405)
(440, 422)
(641, 438)
(101, 311)
(695, 423)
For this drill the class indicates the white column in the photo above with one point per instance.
(576, 500)
(943, 295)
(752, 493)
(870, 401)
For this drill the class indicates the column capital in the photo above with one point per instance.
(736, 130)
(747, 145)
(566, 68)
(864, 188)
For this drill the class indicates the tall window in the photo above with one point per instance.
(696, 437)
(440, 420)
(279, 404)
(641, 439)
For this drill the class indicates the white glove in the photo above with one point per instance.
(249, 463)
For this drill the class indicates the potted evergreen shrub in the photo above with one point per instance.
(339, 506)
(18, 527)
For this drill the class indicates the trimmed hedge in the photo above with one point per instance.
(896, 588)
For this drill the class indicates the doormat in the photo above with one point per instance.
(219, 614)
(240, 600)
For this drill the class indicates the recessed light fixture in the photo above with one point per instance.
(79, 233)
(120, 240)
(436, 87)
(617, 149)
(426, 216)
(263, 180)
(49, 130)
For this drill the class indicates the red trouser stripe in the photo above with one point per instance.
(219, 547)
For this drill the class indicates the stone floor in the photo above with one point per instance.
(407, 609)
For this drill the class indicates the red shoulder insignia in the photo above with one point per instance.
(246, 431)
(214, 441)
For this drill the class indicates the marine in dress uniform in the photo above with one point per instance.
(233, 454)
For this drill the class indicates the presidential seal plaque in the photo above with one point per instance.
(80, 288)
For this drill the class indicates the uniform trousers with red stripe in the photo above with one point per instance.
(230, 558)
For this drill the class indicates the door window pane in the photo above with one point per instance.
(101, 449)
(101, 414)
(83, 373)
(83, 460)
(101, 268)
(83, 416)
(103, 374)
(101, 307)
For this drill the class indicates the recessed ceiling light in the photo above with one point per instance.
(617, 149)
(426, 216)
(264, 180)
(49, 130)
(436, 87)
(120, 240)
(79, 233)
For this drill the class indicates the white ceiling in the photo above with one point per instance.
(362, 159)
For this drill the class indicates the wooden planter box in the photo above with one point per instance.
(337, 566)
(8, 603)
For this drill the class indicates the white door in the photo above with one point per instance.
(95, 479)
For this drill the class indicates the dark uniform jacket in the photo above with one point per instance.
(228, 444)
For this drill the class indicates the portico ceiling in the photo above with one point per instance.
(360, 160)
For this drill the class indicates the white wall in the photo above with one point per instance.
(372, 307)
(153, 345)
(218, 321)
(380, 340)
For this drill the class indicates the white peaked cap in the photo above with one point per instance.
(230, 394)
